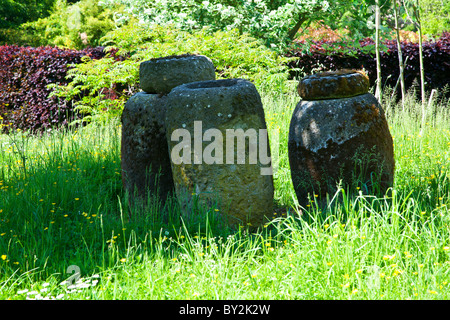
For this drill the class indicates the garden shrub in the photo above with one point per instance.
(110, 81)
(75, 26)
(327, 55)
(268, 20)
(26, 72)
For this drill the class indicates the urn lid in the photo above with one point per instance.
(343, 83)
(161, 75)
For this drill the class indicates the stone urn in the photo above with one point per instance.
(217, 137)
(339, 136)
(145, 161)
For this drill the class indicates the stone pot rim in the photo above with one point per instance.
(334, 74)
(214, 84)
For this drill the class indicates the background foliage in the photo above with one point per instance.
(70, 25)
(271, 21)
(328, 55)
(253, 39)
(233, 55)
(14, 13)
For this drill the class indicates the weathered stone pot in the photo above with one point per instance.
(207, 125)
(344, 140)
(144, 155)
(160, 75)
(145, 159)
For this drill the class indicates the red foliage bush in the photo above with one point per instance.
(326, 55)
(25, 73)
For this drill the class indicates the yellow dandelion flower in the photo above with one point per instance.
(397, 272)
(3, 256)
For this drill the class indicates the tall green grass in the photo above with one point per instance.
(62, 205)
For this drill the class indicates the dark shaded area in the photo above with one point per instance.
(145, 161)
(365, 161)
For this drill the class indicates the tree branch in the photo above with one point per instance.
(294, 30)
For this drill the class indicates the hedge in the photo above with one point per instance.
(25, 73)
(327, 55)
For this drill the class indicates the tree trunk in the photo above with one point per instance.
(422, 71)
(295, 29)
(378, 92)
(416, 8)
(400, 57)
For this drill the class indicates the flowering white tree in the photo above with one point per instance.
(274, 21)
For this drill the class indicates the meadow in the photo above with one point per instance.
(67, 231)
